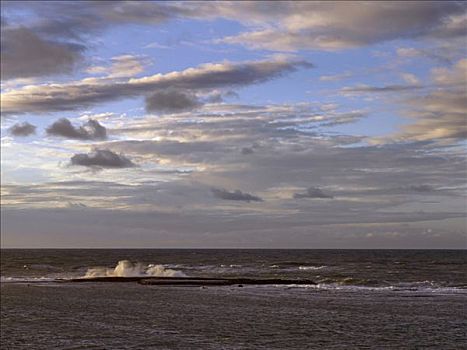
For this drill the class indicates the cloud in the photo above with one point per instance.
(76, 205)
(54, 36)
(439, 116)
(336, 77)
(77, 95)
(25, 54)
(293, 26)
(312, 192)
(420, 188)
(282, 26)
(454, 76)
(171, 101)
(91, 130)
(23, 129)
(410, 78)
(372, 181)
(121, 67)
(220, 132)
(444, 52)
(247, 150)
(379, 89)
(102, 158)
(236, 195)
(342, 118)
(156, 45)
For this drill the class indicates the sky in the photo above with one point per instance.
(129, 124)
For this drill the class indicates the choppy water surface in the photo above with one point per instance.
(361, 299)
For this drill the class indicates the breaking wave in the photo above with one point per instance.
(312, 267)
(126, 268)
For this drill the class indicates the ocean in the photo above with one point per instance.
(331, 299)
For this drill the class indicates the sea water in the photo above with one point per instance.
(368, 299)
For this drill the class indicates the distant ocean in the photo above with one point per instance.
(360, 299)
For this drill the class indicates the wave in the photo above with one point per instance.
(321, 276)
(126, 268)
(288, 263)
(312, 267)
(294, 265)
(353, 284)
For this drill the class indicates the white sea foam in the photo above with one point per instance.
(126, 268)
(312, 267)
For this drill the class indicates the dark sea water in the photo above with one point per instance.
(362, 299)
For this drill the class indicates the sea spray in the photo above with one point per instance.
(126, 268)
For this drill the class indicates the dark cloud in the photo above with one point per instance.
(236, 195)
(247, 150)
(25, 54)
(171, 101)
(23, 129)
(312, 192)
(91, 130)
(421, 188)
(102, 158)
(77, 95)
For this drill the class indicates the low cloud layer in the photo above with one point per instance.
(236, 195)
(91, 130)
(102, 158)
(312, 192)
(23, 129)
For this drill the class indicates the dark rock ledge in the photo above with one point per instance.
(192, 281)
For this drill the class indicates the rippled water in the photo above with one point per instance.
(361, 299)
